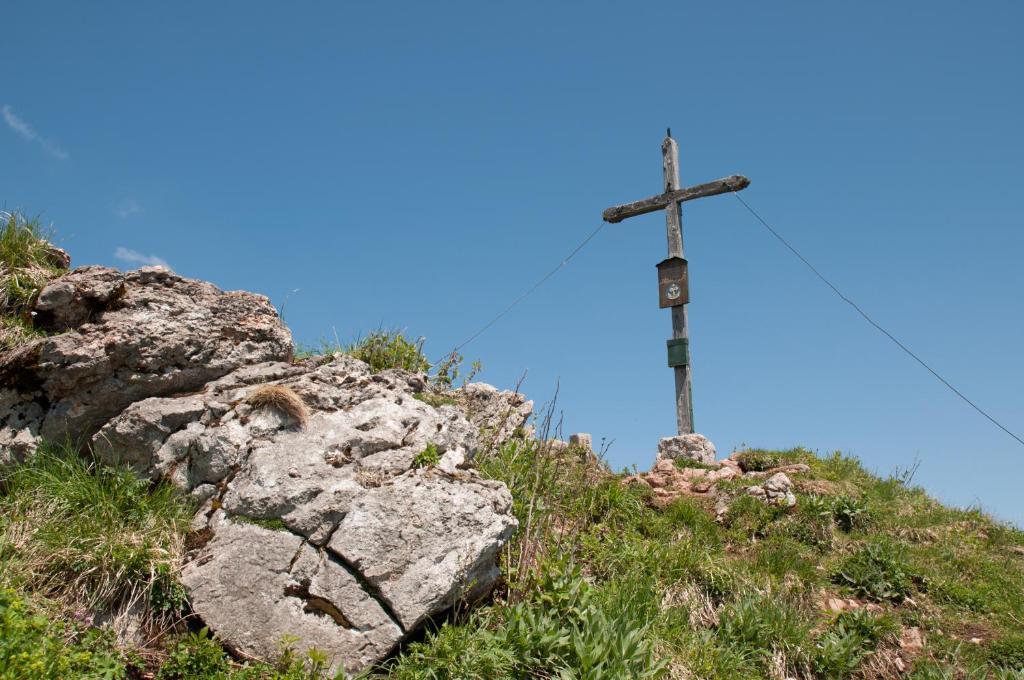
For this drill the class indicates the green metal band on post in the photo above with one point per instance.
(678, 352)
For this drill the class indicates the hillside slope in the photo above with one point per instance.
(775, 564)
(864, 577)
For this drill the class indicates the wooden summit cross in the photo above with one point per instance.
(673, 288)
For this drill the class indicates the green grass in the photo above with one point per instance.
(386, 349)
(744, 598)
(26, 266)
(79, 540)
(691, 464)
(597, 584)
(877, 571)
(198, 656)
(759, 460)
(428, 457)
(390, 349)
(274, 524)
(567, 628)
(848, 640)
(34, 647)
(90, 537)
(15, 332)
(434, 399)
(382, 349)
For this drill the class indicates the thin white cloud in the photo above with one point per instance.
(26, 131)
(128, 207)
(18, 125)
(135, 257)
(55, 150)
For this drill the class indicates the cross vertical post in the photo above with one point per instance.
(672, 273)
(674, 233)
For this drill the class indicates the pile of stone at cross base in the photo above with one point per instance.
(700, 472)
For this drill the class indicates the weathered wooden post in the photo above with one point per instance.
(673, 281)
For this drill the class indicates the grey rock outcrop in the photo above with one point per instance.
(776, 490)
(425, 543)
(301, 592)
(342, 486)
(122, 337)
(319, 516)
(498, 414)
(692, 446)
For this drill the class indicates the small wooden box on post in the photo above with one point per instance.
(673, 277)
(673, 285)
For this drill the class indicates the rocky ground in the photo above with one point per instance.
(686, 467)
(305, 472)
(168, 465)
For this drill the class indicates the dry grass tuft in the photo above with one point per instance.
(282, 398)
(369, 478)
(883, 664)
(702, 612)
(14, 333)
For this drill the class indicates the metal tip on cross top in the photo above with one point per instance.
(673, 283)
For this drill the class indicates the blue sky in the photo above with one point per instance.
(417, 165)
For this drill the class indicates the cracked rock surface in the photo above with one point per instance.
(314, 519)
(302, 593)
(394, 544)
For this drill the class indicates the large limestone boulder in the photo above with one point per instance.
(365, 542)
(334, 506)
(121, 337)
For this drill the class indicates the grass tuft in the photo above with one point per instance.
(90, 537)
(877, 571)
(761, 627)
(385, 349)
(847, 641)
(435, 399)
(15, 332)
(382, 350)
(759, 460)
(27, 263)
(691, 464)
(428, 457)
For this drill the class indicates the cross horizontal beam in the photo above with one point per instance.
(719, 186)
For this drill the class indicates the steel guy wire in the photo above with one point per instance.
(871, 321)
(527, 292)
